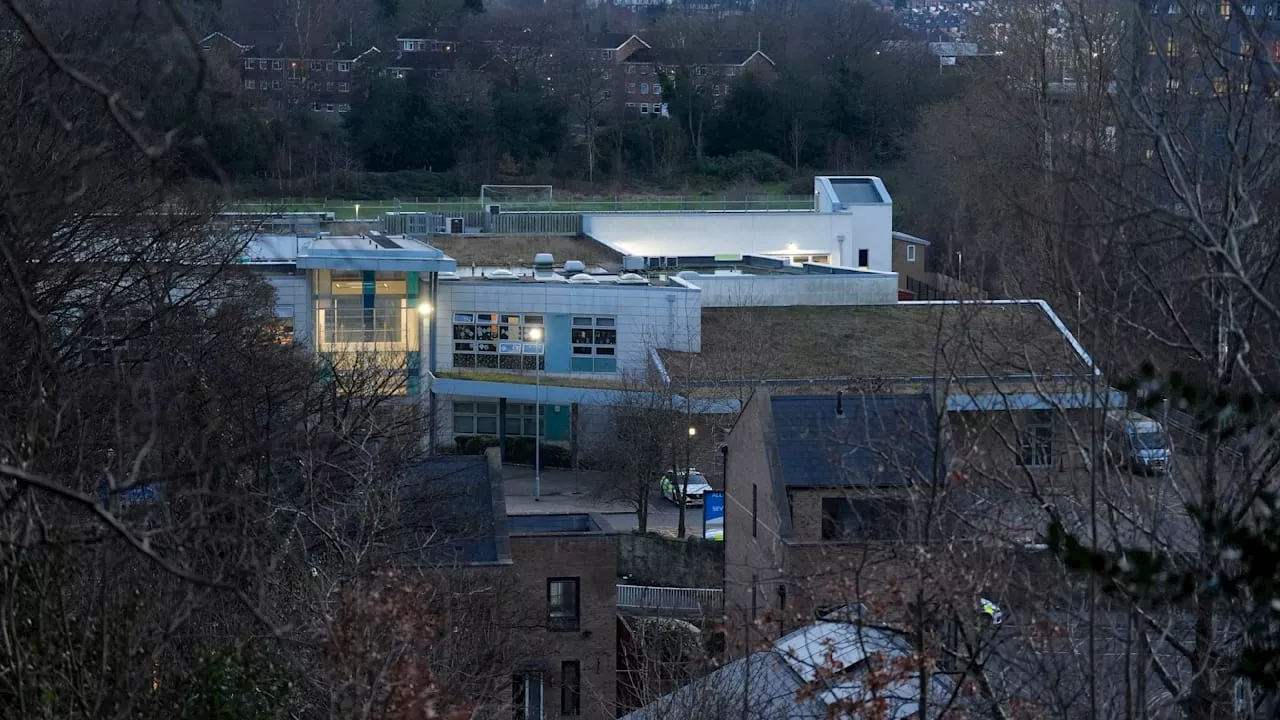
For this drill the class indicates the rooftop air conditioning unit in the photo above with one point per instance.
(453, 226)
(574, 266)
(500, 274)
(583, 279)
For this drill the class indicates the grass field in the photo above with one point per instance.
(351, 210)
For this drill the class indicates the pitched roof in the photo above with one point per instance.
(473, 59)
(422, 32)
(820, 667)
(908, 340)
(694, 56)
(613, 41)
(451, 511)
(878, 440)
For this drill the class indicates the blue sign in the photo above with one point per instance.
(136, 495)
(713, 515)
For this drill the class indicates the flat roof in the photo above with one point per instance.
(492, 250)
(374, 251)
(563, 524)
(907, 340)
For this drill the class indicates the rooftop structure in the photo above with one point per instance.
(452, 513)
(374, 252)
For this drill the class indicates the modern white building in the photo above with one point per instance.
(850, 225)
(493, 348)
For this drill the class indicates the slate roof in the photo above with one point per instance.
(774, 679)
(879, 441)
(611, 41)
(450, 512)
(692, 56)
(444, 32)
(476, 59)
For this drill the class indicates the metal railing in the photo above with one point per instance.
(350, 209)
(670, 601)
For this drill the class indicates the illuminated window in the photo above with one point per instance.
(1219, 85)
(1224, 8)
(1172, 84)
(1171, 47)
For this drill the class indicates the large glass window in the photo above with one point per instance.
(481, 418)
(495, 341)
(595, 344)
(348, 321)
(1036, 439)
(562, 603)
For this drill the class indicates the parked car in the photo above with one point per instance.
(673, 482)
(1138, 442)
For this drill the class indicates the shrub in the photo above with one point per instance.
(519, 450)
(751, 165)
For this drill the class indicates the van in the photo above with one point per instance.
(1138, 442)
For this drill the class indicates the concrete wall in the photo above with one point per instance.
(755, 233)
(786, 290)
(593, 559)
(646, 316)
(668, 562)
(293, 291)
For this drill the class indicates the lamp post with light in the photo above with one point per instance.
(535, 334)
(688, 470)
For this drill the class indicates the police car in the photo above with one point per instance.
(673, 481)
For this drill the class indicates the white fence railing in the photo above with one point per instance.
(683, 601)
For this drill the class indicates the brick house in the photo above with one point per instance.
(640, 83)
(277, 77)
(427, 39)
(811, 479)
(567, 567)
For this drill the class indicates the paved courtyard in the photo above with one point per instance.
(565, 491)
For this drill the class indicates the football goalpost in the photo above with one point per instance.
(519, 196)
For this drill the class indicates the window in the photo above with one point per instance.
(344, 67)
(1151, 47)
(526, 696)
(481, 418)
(848, 519)
(606, 54)
(328, 67)
(595, 340)
(248, 84)
(1035, 442)
(562, 603)
(347, 320)
(570, 688)
(911, 253)
(275, 84)
(316, 65)
(715, 90)
(702, 70)
(864, 257)
(644, 108)
(1274, 46)
(315, 107)
(631, 106)
(494, 341)
(328, 107)
(282, 325)
(631, 69)
(1171, 47)
(606, 75)
(248, 64)
(644, 88)
(606, 95)
(657, 88)
(754, 507)
(1224, 8)
(397, 74)
(730, 72)
(407, 46)
(1172, 84)
(631, 88)
(277, 64)
(1219, 85)
(344, 107)
(262, 64)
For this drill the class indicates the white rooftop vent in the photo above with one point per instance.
(543, 260)
(500, 274)
(631, 279)
(574, 266)
(447, 276)
(583, 279)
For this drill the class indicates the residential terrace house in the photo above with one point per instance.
(713, 71)
(278, 76)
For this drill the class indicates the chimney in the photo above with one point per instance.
(759, 41)
(839, 403)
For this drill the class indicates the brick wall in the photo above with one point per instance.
(593, 559)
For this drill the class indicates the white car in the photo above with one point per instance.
(673, 482)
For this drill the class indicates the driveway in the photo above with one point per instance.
(566, 491)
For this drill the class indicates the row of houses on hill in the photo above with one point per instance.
(619, 71)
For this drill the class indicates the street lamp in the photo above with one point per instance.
(684, 491)
(535, 334)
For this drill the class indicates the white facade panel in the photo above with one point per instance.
(293, 296)
(646, 316)
(784, 290)
(868, 227)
